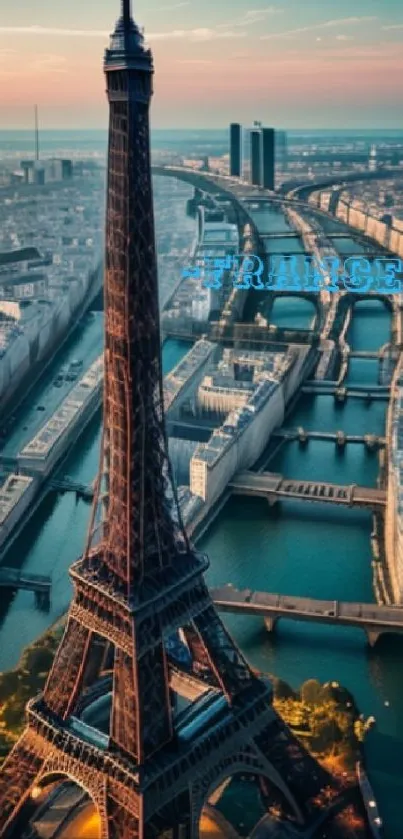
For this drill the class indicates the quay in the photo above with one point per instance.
(273, 486)
(373, 619)
(13, 579)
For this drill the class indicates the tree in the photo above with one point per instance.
(13, 714)
(345, 723)
(282, 690)
(37, 660)
(311, 693)
(334, 693)
(325, 732)
(9, 683)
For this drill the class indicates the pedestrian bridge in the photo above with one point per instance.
(371, 441)
(274, 486)
(14, 579)
(373, 619)
(340, 394)
(67, 484)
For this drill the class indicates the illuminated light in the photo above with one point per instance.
(372, 804)
(36, 792)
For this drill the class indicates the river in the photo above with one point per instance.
(294, 548)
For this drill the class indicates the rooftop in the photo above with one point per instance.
(268, 371)
(22, 255)
(176, 379)
(43, 442)
(22, 279)
(11, 492)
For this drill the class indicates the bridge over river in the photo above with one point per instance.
(373, 619)
(13, 579)
(340, 438)
(274, 486)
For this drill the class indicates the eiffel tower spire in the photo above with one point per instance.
(126, 12)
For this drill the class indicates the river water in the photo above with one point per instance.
(292, 548)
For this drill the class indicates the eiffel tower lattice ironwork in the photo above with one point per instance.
(140, 581)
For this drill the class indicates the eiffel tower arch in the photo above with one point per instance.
(147, 769)
(247, 761)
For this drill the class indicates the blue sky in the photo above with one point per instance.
(289, 63)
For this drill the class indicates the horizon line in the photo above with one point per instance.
(197, 128)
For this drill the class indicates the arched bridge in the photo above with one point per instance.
(373, 619)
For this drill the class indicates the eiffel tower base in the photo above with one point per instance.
(248, 738)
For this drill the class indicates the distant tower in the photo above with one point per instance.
(36, 134)
(334, 200)
(268, 158)
(235, 158)
(256, 158)
(372, 161)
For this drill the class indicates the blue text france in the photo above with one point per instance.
(302, 273)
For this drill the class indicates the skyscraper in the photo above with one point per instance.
(268, 180)
(256, 158)
(235, 166)
(281, 149)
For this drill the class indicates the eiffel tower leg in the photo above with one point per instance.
(19, 772)
(226, 661)
(67, 674)
(121, 817)
(303, 777)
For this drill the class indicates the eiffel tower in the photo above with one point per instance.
(139, 580)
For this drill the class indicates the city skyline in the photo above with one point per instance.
(293, 66)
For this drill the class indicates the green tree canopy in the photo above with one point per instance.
(282, 690)
(9, 683)
(311, 693)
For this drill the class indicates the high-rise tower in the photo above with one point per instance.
(268, 158)
(256, 157)
(235, 156)
(147, 769)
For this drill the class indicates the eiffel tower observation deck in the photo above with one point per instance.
(149, 769)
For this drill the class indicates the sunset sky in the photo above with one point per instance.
(292, 64)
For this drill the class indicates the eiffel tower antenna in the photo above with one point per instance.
(126, 12)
